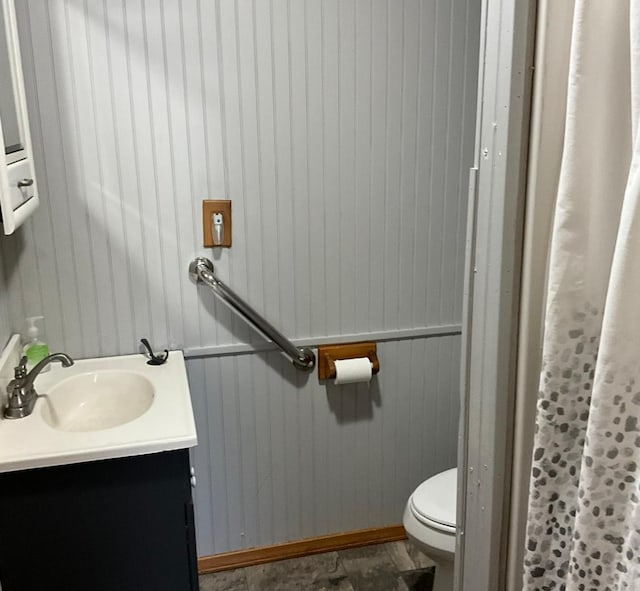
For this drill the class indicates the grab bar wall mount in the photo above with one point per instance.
(201, 271)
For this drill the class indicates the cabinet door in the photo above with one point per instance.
(113, 525)
(18, 188)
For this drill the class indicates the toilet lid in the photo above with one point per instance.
(434, 501)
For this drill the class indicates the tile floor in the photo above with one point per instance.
(396, 566)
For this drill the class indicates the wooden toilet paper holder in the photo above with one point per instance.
(328, 354)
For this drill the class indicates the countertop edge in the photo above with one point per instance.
(100, 454)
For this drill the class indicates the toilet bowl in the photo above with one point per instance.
(430, 522)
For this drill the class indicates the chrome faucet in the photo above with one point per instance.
(22, 395)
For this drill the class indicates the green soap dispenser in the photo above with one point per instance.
(35, 349)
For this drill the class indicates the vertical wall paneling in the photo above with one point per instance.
(362, 125)
(377, 157)
(342, 131)
(300, 241)
(408, 148)
(393, 19)
(142, 184)
(386, 438)
(318, 308)
(252, 101)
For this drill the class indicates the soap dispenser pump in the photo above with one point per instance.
(35, 349)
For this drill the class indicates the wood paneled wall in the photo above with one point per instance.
(342, 130)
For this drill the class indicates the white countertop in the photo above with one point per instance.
(167, 425)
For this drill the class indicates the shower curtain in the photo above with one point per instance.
(583, 528)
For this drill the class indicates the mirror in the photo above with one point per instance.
(9, 114)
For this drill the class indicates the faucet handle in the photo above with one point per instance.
(20, 371)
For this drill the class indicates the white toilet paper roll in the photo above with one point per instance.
(351, 371)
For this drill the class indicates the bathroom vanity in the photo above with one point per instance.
(95, 484)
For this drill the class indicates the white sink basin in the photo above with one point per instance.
(96, 400)
(98, 409)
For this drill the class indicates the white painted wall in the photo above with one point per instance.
(342, 131)
(281, 459)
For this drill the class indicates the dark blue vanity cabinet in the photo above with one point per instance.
(113, 525)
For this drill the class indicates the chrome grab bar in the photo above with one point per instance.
(201, 271)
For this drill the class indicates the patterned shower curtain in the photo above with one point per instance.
(583, 529)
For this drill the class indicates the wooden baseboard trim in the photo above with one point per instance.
(306, 547)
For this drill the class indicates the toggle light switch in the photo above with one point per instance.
(216, 222)
(218, 228)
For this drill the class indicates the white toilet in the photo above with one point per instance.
(430, 522)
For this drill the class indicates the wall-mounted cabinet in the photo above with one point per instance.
(18, 188)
